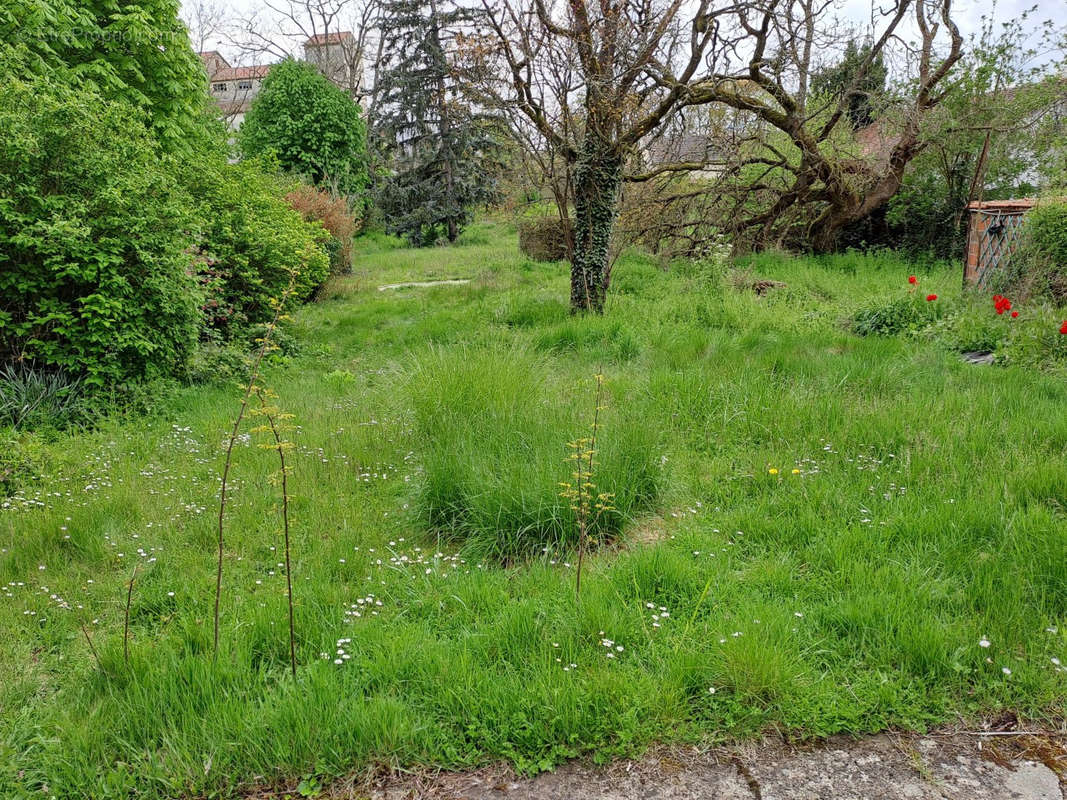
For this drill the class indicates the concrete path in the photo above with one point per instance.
(956, 766)
(423, 284)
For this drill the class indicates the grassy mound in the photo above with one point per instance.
(494, 434)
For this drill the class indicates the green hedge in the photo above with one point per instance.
(250, 240)
(95, 274)
(118, 259)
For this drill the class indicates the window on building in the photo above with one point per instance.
(218, 87)
(244, 85)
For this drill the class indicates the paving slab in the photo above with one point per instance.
(960, 766)
(423, 284)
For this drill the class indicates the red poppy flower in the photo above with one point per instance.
(912, 280)
(1063, 327)
(931, 297)
(1014, 314)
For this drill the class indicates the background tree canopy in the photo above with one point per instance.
(862, 82)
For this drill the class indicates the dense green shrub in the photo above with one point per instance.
(908, 314)
(136, 52)
(95, 277)
(1046, 227)
(493, 438)
(310, 126)
(1039, 266)
(250, 240)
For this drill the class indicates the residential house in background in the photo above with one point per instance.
(338, 57)
(234, 88)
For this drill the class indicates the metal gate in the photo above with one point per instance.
(994, 233)
(998, 236)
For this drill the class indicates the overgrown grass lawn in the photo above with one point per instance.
(814, 532)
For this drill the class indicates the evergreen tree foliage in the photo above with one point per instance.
(864, 93)
(439, 150)
(132, 51)
(312, 127)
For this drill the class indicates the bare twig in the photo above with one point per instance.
(91, 648)
(279, 446)
(126, 619)
(264, 346)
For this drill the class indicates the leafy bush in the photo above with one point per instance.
(136, 52)
(251, 239)
(95, 279)
(310, 126)
(1039, 266)
(544, 238)
(902, 315)
(494, 437)
(33, 397)
(333, 212)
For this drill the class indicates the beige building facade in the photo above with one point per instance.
(234, 88)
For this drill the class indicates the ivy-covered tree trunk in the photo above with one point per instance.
(597, 176)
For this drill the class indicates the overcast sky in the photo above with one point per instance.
(966, 13)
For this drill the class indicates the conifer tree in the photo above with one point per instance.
(437, 148)
(865, 92)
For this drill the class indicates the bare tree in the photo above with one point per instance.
(620, 54)
(205, 20)
(638, 65)
(345, 30)
(815, 177)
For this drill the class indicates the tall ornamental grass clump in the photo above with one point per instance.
(493, 434)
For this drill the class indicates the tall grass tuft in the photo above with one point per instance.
(493, 434)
